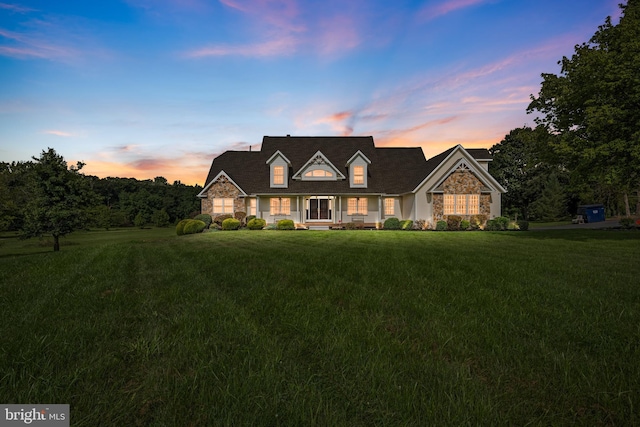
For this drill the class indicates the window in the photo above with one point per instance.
(357, 206)
(280, 206)
(389, 206)
(278, 175)
(461, 204)
(358, 175)
(318, 173)
(474, 204)
(252, 206)
(222, 205)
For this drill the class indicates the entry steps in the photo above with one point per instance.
(319, 227)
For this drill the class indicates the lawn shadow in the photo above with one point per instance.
(576, 235)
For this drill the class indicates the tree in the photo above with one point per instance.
(160, 218)
(58, 196)
(593, 106)
(522, 164)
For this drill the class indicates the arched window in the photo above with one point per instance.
(318, 173)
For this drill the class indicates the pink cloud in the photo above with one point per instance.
(58, 133)
(33, 46)
(434, 11)
(278, 47)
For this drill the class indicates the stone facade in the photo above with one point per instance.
(222, 188)
(461, 182)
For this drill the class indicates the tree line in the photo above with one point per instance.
(46, 196)
(585, 147)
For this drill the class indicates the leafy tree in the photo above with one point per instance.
(593, 105)
(58, 196)
(551, 205)
(160, 218)
(140, 220)
(522, 164)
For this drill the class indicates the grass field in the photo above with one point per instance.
(353, 328)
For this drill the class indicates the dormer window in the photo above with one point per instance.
(278, 170)
(318, 168)
(358, 165)
(278, 175)
(358, 175)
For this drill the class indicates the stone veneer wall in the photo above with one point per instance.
(461, 182)
(222, 188)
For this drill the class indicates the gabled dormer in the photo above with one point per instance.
(278, 170)
(358, 166)
(318, 168)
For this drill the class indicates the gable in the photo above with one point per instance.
(221, 186)
(313, 168)
(458, 160)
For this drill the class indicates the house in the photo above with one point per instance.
(331, 180)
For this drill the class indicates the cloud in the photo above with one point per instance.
(277, 47)
(58, 133)
(431, 12)
(16, 8)
(281, 28)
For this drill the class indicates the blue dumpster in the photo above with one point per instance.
(591, 213)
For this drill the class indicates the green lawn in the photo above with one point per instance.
(353, 328)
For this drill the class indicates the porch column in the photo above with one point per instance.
(379, 208)
(298, 208)
(340, 207)
(258, 214)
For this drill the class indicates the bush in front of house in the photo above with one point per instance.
(271, 227)
(180, 227)
(230, 224)
(391, 224)
(523, 225)
(218, 219)
(441, 225)
(477, 221)
(493, 225)
(354, 226)
(464, 225)
(249, 218)
(256, 223)
(194, 226)
(240, 216)
(503, 221)
(453, 222)
(206, 218)
(286, 224)
(406, 224)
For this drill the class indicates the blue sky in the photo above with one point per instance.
(145, 88)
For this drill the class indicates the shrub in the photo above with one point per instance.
(230, 224)
(503, 221)
(354, 226)
(406, 224)
(193, 226)
(392, 224)
(206, 218)
(271, 227)
(493, 225)
(523, 225)
(477, 221)
(453, 222)
(219, 218)
(249, 218)
(441, 225)
(285, 224)
(464, 224)
(240, 216)
(626, 222)
(256, 223)
(180, 227)
(420, 224)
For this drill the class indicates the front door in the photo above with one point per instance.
(319, 209)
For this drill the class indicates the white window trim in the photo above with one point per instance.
(225, 205)
(358, 208)
(276, 209)
(389, 206)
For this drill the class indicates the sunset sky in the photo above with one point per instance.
(146, 88)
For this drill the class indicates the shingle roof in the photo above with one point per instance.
(392, 170)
